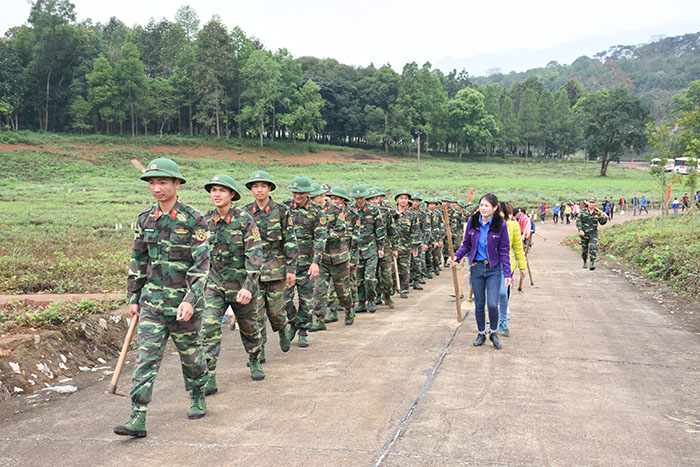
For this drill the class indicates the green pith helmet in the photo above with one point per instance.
(162, 167)
(461, 203)
(402, 192)
(359, 191)
(228, 182)
(379, 191)
(417, 196)
(260, 176)
(340, 192)
(372, 193)
(300, 184)
(316, 189)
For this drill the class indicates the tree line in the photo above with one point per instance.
(181, 77)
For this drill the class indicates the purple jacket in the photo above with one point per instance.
(497, 242)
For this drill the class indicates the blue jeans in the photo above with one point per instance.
(503, 298)
(486, 284)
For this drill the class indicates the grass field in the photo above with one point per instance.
(62, 196)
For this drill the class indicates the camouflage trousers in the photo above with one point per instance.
(589, 245)
(271, 304)
(437, 256)
(153, 332)
(416, 268)
(404, 262)
(429, 260)
(385, 272)
(217, 300)
(366, 276)
(306, 290)
(456, 243)
(339, 276)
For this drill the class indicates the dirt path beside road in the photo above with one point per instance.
(595, 373)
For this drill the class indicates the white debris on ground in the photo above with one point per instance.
(67, 389)
(44, 368)
(15, 367)
(97, 368)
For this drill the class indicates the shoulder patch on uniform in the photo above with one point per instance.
(323, 220)
(291, 221)
(342, 216)
(256, 233)
(357, 222)
(200, 235)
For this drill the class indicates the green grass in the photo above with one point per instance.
(58, 211)
(664, 248)
(18, 315)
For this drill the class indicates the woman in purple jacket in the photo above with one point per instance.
(487, 246)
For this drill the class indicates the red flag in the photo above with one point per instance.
(668, 196)
(471, 193)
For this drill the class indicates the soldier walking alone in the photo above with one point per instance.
(587, 225)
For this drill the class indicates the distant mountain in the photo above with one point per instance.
(654, 72)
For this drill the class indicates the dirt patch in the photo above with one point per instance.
(48, 360)
(250, 155)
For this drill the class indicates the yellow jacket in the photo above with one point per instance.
(516, 246)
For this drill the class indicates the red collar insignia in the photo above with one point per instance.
(173, 213)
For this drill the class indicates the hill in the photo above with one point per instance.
(654, 72)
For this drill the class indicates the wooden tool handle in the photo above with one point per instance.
(112, 388)
(455, 280)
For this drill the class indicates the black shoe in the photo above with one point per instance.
(480, 339)
(496, 341)
(421, 281)
(417, 286)
(592, 266)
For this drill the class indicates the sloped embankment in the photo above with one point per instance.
(31, 362)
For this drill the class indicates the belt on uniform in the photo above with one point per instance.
(484, 261)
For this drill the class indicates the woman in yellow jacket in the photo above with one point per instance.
(516, 255)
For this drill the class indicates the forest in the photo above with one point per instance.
(183, 77)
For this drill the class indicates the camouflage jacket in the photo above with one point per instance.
(310, 229)
(235, 249)
(408, 231)
(391, 236)
(456, 222)
(588, 221)
(170, 260)
(279, 242)
(370, 230)
(337, 250)
(437, 226)
(424, 224)
(351, 232)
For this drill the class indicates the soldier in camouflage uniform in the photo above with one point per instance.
(335, 263)
(587, 225)
(370, 241)
(385, 265)
(339, 197)
(279, 247)
(409, 239)
(236, 259)
(423, 222)
(456, 227)
(310, 230)
(165, 290)
(437, 236)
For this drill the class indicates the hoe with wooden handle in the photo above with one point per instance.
(112, 387)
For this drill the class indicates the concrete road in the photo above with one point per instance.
(594, 374)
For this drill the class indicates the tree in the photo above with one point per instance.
(469, 122)
(509, 125)
(528, 119)
(102, 93)
(80, 111)
(12, 85)
(688, 100)
(183, 82)
(689, 139)
(188, 19)
(612, 122)
(382, 90)
(306, 116)
(214, 60)
(545, 110)
(163, 102)
(130, 82)
(262, 76)
(492, 103)
(55, 47)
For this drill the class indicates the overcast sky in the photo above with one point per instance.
(360, 32)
